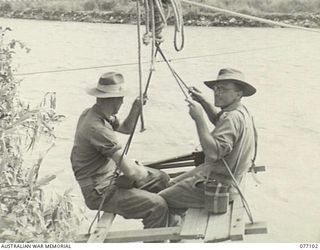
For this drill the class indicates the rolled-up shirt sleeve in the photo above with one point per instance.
(104, 140)
(225, 135)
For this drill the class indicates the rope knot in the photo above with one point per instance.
(146, 38)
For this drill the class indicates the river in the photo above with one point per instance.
(283, 64)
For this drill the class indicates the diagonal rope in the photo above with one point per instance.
(124, 152)
(178, 79)
(243, 199)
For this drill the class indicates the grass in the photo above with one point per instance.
(244, 6)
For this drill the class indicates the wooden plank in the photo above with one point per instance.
(145, 235)
(194, 224)
(258, 227)
(218, 228)
(172, 159)
(257, 169)
(173, 175)
(237, 220)
(82, 238)
(102, 228)
(174, 165)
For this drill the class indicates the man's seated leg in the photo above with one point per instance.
(184, 194)
(134, 203)
(156, 181)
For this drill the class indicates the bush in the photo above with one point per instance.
(90, 5)
(107, 5)
(24, 216)
(6, 7)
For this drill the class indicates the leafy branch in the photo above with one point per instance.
(24, 215)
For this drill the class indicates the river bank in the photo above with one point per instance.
(311, 20)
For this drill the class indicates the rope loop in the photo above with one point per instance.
(157, 13)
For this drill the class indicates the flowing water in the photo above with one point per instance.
(283, 64)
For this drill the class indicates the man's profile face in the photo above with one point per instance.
(225, 94)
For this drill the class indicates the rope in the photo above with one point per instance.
(159, 20)
(178, 79)
(153, 27)
(146, 36)
(145, 94)
(159, 6)
(244, 201)
(145, 62)
(124, 152)
(177, 10)
(259, 19)
(255, 152)
(112, 179)
(140, 64)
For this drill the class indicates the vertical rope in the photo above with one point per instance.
(146, 36)
(140, 64)
(153, 28)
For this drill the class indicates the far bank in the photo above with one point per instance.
(191, 19)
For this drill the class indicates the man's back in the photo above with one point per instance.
(94, 144)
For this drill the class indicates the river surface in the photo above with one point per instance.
(283, 64)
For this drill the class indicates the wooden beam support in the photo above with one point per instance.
(218, 228)
(172, 159)
(145, 235)
(257, 169)
(174, 165)
(258, 227)
(195, 224)
(173, 175)
(102, 228)
(237, 220)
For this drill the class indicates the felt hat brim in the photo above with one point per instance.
(100, 94)
(247, 88)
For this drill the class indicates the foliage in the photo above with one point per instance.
(245, 6)
(24, 217)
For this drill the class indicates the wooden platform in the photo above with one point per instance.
(197, 225)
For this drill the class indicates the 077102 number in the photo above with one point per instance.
(308, 245)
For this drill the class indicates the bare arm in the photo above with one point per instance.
(208, 107)
(207, 142)
(128, 124)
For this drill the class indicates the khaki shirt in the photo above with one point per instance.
(234, 138)
(94, 143)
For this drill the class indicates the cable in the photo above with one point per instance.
(259, 19)
(144, 62)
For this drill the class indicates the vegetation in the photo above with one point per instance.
(245, 6)
(25, 216)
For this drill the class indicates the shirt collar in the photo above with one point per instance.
(112, 120)
(96, 108)
(232, 106)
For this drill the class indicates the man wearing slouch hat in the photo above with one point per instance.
(230, 143)
(107, 178)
